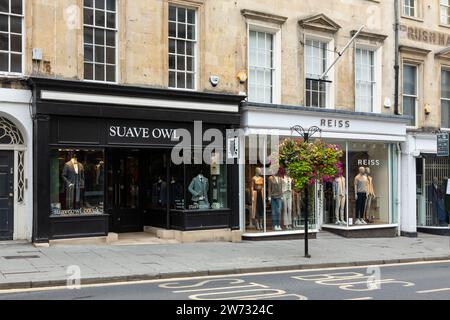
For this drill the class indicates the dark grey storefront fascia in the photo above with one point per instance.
(65, 124)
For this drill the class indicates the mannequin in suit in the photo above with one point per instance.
(370, 196)
(340, 197)
(275, 193)
(257, 212)
(159, 192)
(199, 189)
(73, 177)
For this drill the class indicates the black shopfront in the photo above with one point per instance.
(111, 167)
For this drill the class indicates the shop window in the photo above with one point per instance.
(76, 182)
(261, 67)
(182, 47)
(445, 99)
(316, 53)
(100, 33)
(11, 36)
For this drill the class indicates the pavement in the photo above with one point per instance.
(25, 266)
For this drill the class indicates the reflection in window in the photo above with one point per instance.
(76, 182)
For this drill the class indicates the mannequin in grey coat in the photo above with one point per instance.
(199, 189)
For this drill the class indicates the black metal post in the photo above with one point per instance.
(307, 255)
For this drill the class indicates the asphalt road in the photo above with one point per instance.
(423, 281)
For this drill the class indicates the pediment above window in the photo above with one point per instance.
(370, 36)
(263, 16)
(319, 22)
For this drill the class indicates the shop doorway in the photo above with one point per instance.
(6, 195)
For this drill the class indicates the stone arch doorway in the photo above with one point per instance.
(12, 176)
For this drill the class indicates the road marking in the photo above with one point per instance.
(434, 290)
(124, 283)
(364, 298)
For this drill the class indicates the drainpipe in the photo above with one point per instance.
(397, 57)
(399, 188)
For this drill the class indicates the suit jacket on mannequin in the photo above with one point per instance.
(199, 188)
(70, 176)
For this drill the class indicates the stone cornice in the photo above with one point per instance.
(263, 16)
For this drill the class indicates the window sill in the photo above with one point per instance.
(417, 19)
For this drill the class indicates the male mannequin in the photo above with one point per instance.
(370, 196)
(73, 176)
(199, 189)
(275, 197)
(296, 212)
(436, 196)
(340, 197)
(257, 213)
(287, 202)
(360, 195)
(159, 192)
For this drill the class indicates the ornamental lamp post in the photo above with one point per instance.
(306, 134)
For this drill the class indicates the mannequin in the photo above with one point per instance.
(296, 206)
(360, 195)
(159, 192)
(370, 196)
(287, 202)
(99, 177)
(73, 176)
(257, 213)
(199, 189)
(340, 197)
(275, 197)
(436, 196)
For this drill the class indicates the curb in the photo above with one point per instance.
(189, 274)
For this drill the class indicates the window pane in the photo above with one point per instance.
(99, 18)
(445, 84)
(111, 55)
(88, 53)
(181, 47)
(111, 20)
(181, 15)
(3, 23)
(100, 72)
(445, 114)
(181, 63)
(100, 4)
(99, 54)
(111, 38)
(99, 36)
(189, 64)
(16, 6)
(88, 35)
(111, 73)
(16, 43)
(191, 16)
(88, 71)
(4, 6)
(171, 61)
(410, 80)
(172, 79)
(111, 5)
(409, 108)
(189, 48)
(181, 82)
(172, 29)
(16, 63)
(181, 31)
(190, 81)
(191, 32)
(4, 62)
(4, 42)
(88, 16)
(172, 13)
(172, 46)
(89, 3)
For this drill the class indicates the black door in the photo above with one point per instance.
(125, 184)
(6, 195)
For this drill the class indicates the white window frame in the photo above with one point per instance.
(117, 71)
(330, 94)
(443, 69)
(378, 79)
(416, 97)
(196, 48)
(23, 53)
(406, 9)
(444, 14)
(276, 32)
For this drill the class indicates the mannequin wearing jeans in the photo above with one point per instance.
(287, 202)
(340, 196)
(370, 196)
(275, 193)
(360, 195)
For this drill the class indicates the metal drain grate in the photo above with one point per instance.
(21, 257)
